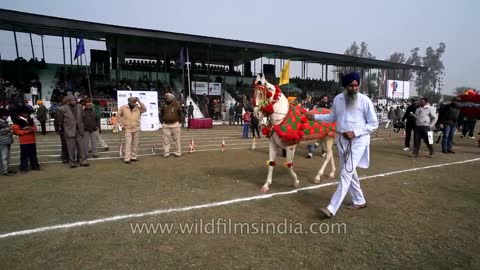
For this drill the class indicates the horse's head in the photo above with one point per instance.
(263, 93)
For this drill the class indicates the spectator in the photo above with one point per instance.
(205, 103)
(91, 124)
(410, 126)
(231, 114)
(34, 93)
(129, 119)
(216, 110)
(190, 111)
(224, 111)
(425, 119)
(42, 116)
(59, 130)
(70, 119)
(468, 127)
(254, 123)
(246, 124)
(238, 113)
(447, 118)
(6, 140)
(171, 117)
(114, 123)
(98, 112)
(25, 129)
(397, 114)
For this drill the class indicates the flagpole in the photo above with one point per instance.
(183, 80)
(88, 76)
(188, 74)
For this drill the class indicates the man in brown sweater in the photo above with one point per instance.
(171, 117)
(129, 120)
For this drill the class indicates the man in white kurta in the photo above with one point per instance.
(356, 119)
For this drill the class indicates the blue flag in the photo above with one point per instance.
(80, 49)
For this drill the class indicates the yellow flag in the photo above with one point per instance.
(285, 76)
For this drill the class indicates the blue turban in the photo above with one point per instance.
(349, 78)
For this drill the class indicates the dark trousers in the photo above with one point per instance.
(255, 128)
(421, 133)
(469, 127)
(64, 148)
(28, 152)
(44, 127)
(408, 133)
(238, 119)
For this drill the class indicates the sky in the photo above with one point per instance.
(330, 26)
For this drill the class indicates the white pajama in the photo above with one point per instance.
(362, 120)
(349, 181)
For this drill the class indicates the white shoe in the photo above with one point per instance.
(324, 155)
(310, 155)
(471, 137)
(406, 149)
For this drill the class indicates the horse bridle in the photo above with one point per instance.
(346, 150)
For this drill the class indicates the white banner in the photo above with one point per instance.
(200, 88)
(398, 89)
(149, 120)
(215, 89)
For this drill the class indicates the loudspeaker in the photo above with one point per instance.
(268, 69)
(98, 56)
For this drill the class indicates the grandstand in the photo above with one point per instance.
(146, 59)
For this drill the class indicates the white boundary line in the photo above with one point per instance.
(214, 204)
(262, 144)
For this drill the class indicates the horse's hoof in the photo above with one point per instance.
(296, 184)
(264, 189)
(331, 175)
(317, 180)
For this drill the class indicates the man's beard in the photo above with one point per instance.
(351, 98)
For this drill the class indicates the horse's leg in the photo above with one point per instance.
(329, 143)
(273, 156)
(329, 158)
(290, 155)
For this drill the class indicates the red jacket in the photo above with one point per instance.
(24, 136)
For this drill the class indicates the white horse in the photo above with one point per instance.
(269, 101)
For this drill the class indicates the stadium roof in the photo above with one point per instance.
(223, 50)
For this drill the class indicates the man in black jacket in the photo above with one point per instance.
(448, 117)
(410, 126)
(91, 124)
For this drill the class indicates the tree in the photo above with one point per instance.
(353, 50)
(433, 97)
(415, 60)
(369, 79)
(431, 80)
(362, 51)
